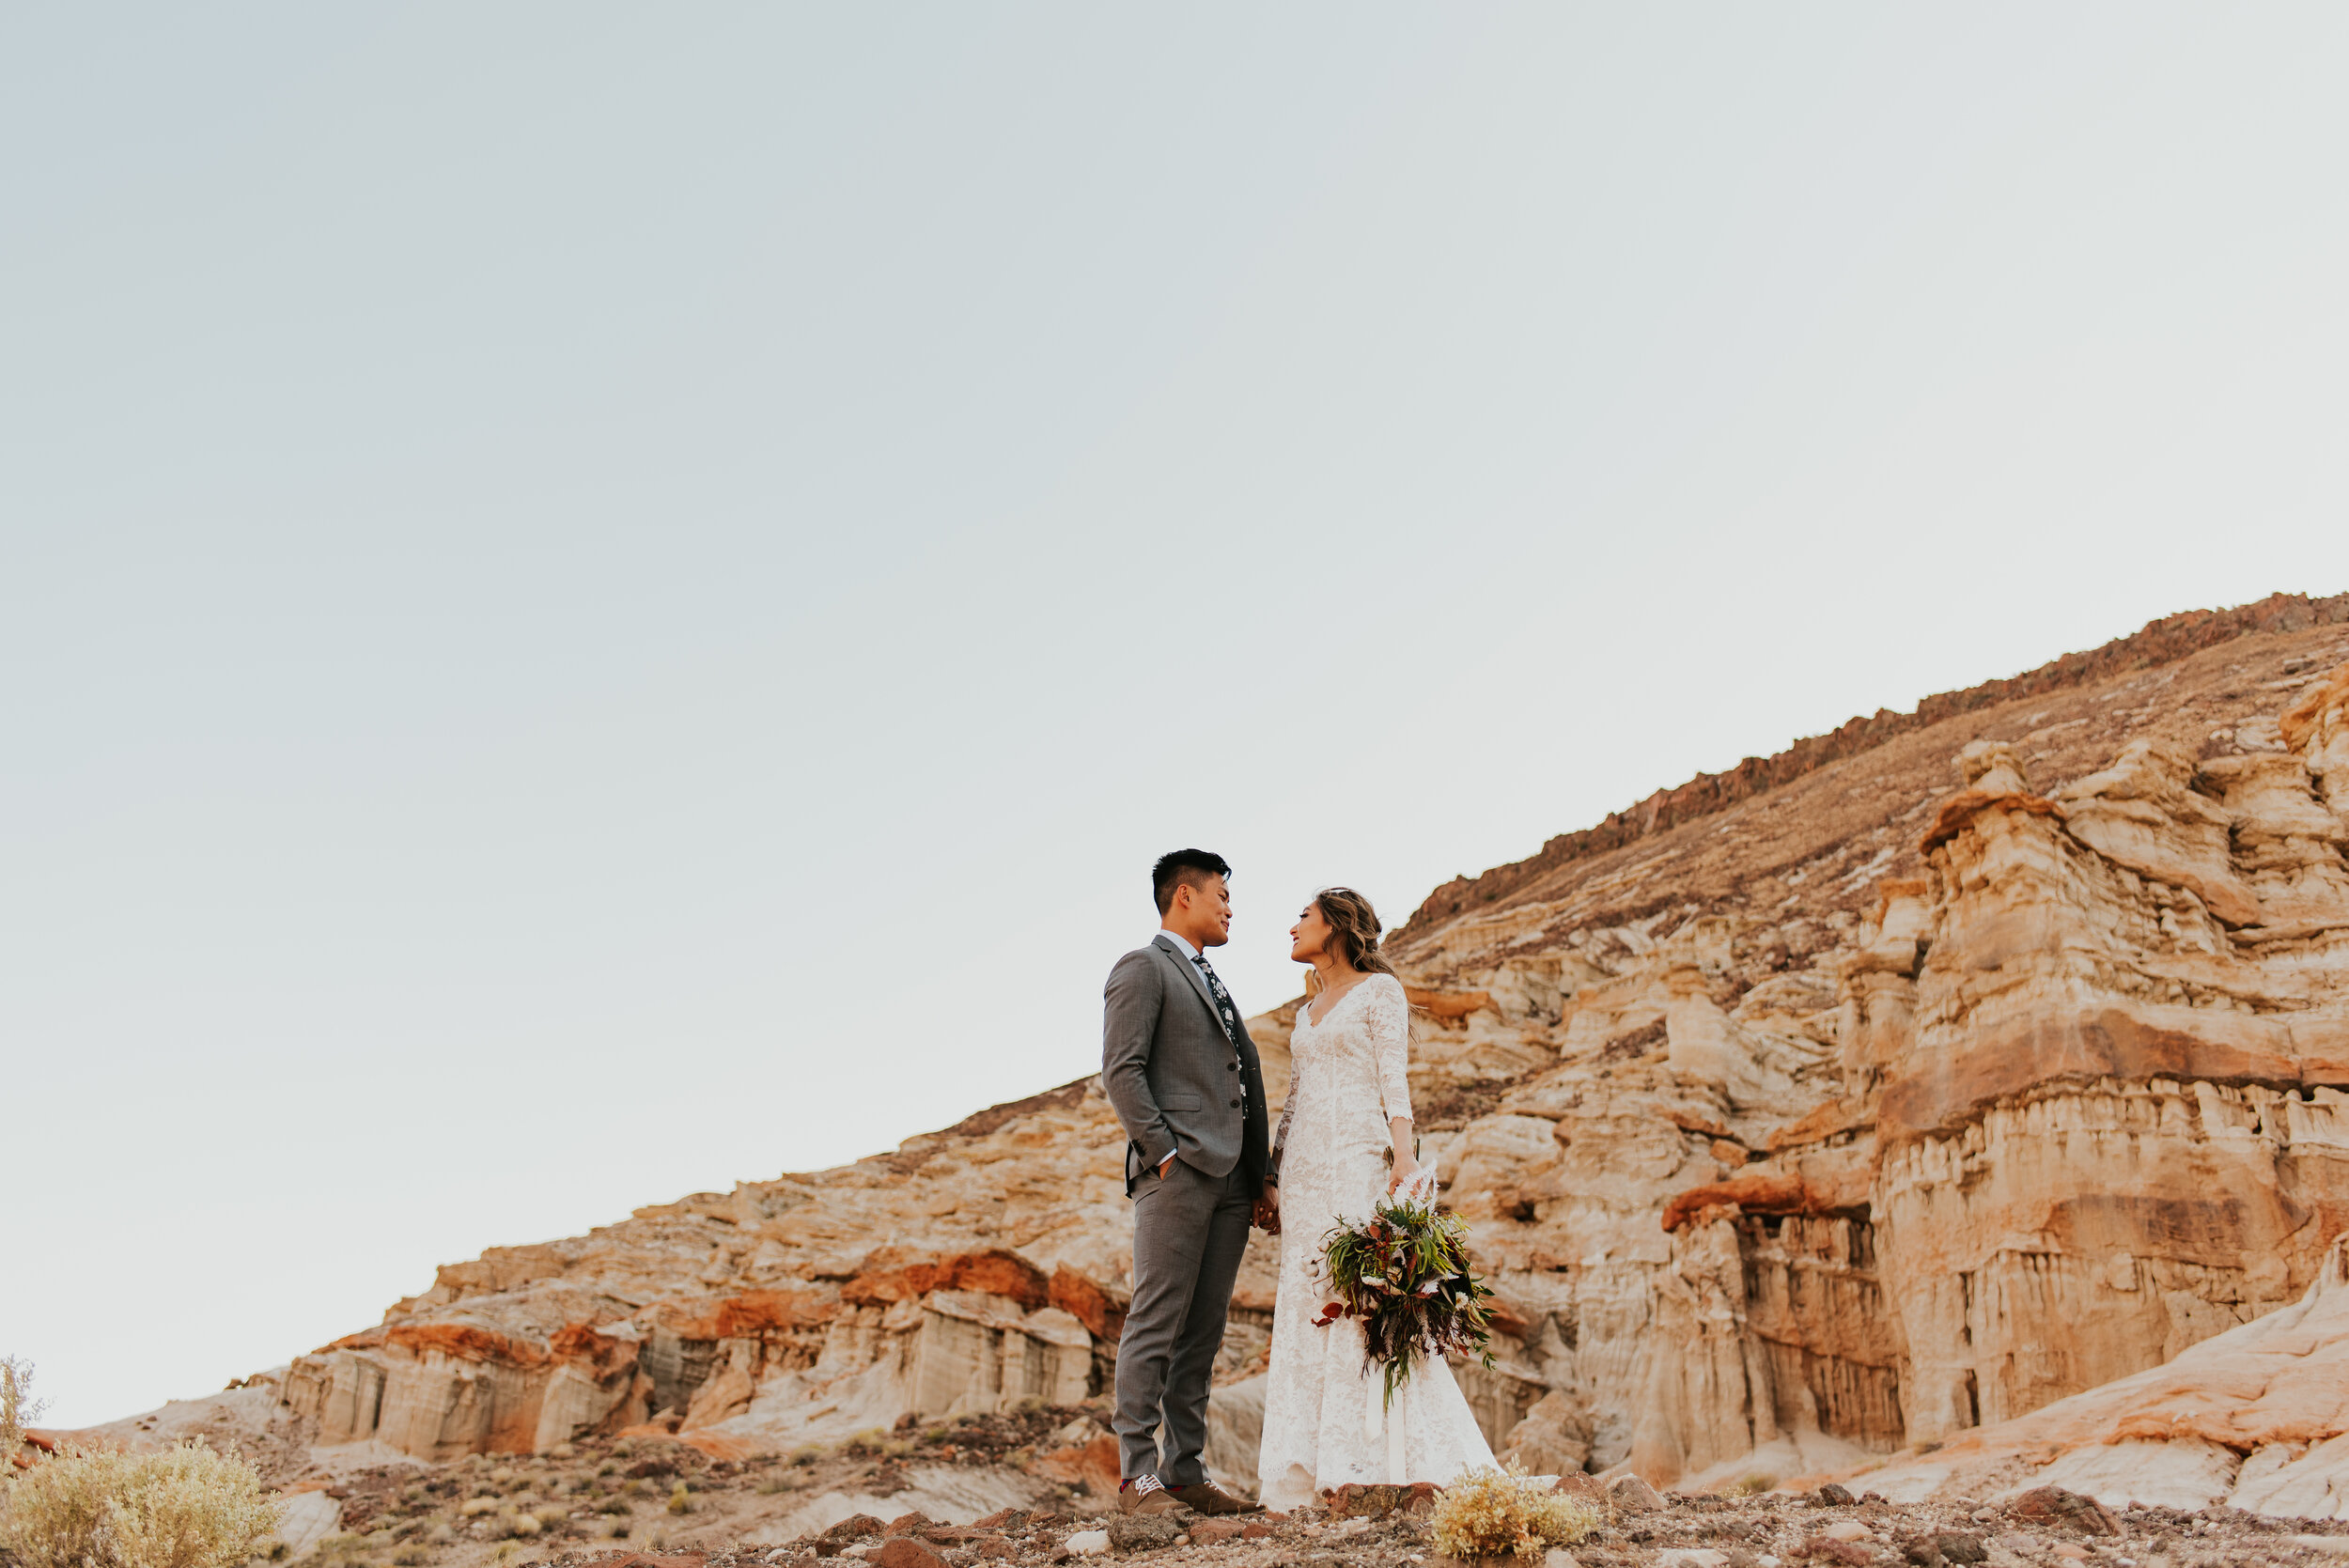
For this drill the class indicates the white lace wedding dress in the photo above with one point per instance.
(1325, 1423)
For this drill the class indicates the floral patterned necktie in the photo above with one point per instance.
(1225, 1014)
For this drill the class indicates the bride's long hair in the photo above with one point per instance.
(1354, 928)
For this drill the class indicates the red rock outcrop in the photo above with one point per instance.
(769, 1315)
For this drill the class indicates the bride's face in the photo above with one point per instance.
(1309, 939)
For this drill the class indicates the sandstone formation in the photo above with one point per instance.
(1923, 1078)
(2256, 1417)
(1937, 1083)
(768, 1316)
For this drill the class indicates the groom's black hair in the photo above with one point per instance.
(1184, 865)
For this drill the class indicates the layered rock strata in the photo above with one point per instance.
(768, 1316)
(1886, 1110)
(2256, 1417)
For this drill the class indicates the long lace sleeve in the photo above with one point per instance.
(1388, 1013)
(1281, 1134)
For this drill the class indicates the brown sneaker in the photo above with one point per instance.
(1133, 1497)
(1208, 1498)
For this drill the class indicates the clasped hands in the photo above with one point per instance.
(1265, 1216)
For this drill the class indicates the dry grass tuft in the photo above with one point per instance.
(1488, 1513)
(185, 1508)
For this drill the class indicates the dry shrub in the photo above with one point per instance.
(18, 1409)
(1488, 1513)
(185, 1508)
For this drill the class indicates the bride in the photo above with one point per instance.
(1348, 1114)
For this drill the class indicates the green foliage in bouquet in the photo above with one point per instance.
(1405, 1273)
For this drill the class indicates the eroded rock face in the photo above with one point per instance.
(2250, 1419)
(2114, 1131)
(967, 1271)
(1930, 1089)
(1918, 1079)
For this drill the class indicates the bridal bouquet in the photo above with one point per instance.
(1405, 1273)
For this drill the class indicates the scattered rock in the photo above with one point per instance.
(1357, 1501)
(1143, 1532)
(903, 1551)
(856, 1527)
(1630, 1495)
(2054, 1506)
(1089, 1543)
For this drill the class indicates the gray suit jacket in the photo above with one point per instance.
(1172, 1077)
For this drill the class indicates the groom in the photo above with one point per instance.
(1179, 1067)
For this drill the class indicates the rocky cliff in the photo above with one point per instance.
(1929, 1074)
(1928, 1082)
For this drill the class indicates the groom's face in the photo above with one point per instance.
(1206, 911)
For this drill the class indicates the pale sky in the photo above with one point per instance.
(599, 601)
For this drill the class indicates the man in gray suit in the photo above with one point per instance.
(1178, 1065)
